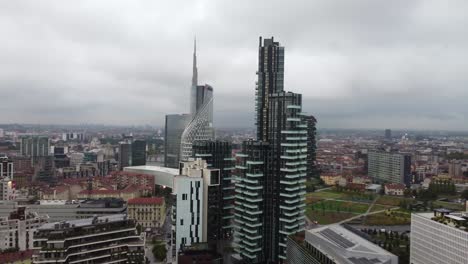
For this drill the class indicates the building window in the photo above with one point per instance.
(181, 221)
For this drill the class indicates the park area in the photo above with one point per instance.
(331, 206)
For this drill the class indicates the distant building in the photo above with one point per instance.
(388, 134)
(7, 189)
(147, 212)
(17, 229)
(331, 179)
(125, 154)
(335, 244)
(397, 189)
(175, 125)
(138, 152)
(73, 136)
(389, 167)
(109, 239)
(439, 237)
(34, 147)
(6, 167)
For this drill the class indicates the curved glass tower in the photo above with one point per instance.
(200, 126)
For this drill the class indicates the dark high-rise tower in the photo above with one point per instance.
(311, 146)
(139, 152)
(270, 76)
(218, 155)
(271, 173)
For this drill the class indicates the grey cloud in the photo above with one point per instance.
(363, 63)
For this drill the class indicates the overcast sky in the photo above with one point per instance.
(359, 64)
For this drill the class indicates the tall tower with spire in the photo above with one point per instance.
(193, 88)
(200, 126)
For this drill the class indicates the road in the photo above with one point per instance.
(397, 228)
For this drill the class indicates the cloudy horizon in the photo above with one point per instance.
(359, 64)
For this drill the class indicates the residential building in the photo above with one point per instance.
(17, 229)
(194, 188)
(200, 126)
(147, 211)
(34, 147)
(105, 239)
(6, 167)
(396, 189)
(200, 253)
(312, 170)
(389, 167)
(175, 126)
(7, 189)
(271, 172)
(218, 155)
(335, 244)
(61, 210)
(331, 179)
(439, 237)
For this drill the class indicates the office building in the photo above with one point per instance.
(439, 237)
(106, 239)
(175, 125)
(200, 125)
(125, 154)
(148, 212)
(17, 229)
(335, 244)
(6, 167)
(389, 167)
(138, 152)
(218, 155)
(271, 172)
(194, 188)
(34, 147)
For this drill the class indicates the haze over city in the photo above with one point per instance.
(358, 64)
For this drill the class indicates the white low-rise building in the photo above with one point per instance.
(17, 230)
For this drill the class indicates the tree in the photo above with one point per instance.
(139, 228)
(159, 251)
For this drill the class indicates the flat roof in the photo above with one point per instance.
(343, 246)
(85, 222)
(163, 176)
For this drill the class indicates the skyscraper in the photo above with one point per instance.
(271, 172)
(311, 146)
(388, 134)
(139, 152)
(175, 126)
(125, 155)
(200, 126)
(197, 125)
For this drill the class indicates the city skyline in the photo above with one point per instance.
(356, 67)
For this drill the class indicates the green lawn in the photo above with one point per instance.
(394, 217)
(378, 207)
(452, 206)
(327, 194)
(325, 218)
(339, 206)
(392, 200)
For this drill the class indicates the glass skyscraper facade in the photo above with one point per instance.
(175, 126)
(271, 171)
